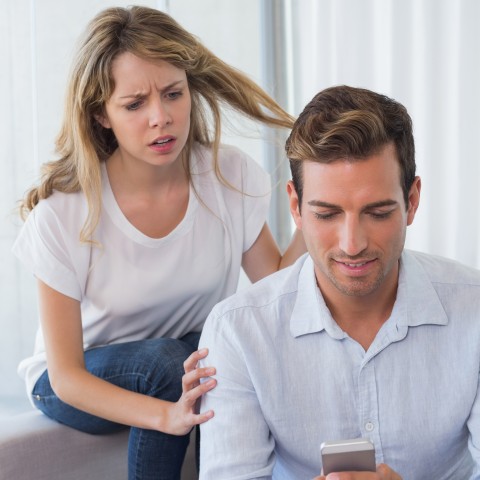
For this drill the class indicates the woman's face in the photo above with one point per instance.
(149, 110)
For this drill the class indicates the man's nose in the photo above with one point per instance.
(353, 237)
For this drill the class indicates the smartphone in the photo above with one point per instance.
(355, 455)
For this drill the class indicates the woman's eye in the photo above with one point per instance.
(134, 105)
(173, 95)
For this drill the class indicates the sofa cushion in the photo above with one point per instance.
(34, 446)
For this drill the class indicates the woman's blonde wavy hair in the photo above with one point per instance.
(151, 35)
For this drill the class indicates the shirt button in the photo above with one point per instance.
(369, 426)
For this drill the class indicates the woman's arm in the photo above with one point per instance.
(62, 328)
(264, 257)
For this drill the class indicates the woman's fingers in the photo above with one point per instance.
(192, 376)
(189, 402)
(196, 395)
(193, 389)
(191, 362)
(186, 407)
(192, 379)
(192, 394)
(203, 417)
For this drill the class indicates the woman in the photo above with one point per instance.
(138, 229)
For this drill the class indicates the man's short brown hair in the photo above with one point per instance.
(351, 123)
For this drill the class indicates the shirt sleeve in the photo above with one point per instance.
(236, 442)
(474, 436)
(41, 247)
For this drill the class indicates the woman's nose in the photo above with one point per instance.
(159, 116)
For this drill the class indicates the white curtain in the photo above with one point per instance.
(425, 54)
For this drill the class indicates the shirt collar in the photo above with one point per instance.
(417, 301)
(423, 306)
(310, 313)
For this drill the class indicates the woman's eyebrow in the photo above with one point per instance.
(143, 94)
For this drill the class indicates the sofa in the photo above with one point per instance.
(32, 446)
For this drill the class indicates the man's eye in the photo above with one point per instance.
(380, 215)
(324, 216)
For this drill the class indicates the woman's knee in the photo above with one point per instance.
(164, 370)
(153, 367)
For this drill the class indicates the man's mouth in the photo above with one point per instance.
(355, 265)
(359, 265)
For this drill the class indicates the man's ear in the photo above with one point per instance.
(102, 119)
(413, 200)
(294, 204)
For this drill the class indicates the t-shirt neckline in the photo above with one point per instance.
(120, 220)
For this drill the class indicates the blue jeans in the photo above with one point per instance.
(151, 367)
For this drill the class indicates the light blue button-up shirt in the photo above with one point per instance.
(289, 378)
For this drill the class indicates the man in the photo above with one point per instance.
(359, 338)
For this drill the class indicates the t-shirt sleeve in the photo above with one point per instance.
(41, 247)
(257, 193)
(253, 188)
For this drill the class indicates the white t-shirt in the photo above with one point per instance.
(135, 287)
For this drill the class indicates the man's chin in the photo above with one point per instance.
(357, 288)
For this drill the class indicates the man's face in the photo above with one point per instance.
(354, 219)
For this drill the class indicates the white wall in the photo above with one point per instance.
(37, 40)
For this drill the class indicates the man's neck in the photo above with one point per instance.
(362, 317)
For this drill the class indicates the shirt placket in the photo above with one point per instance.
(368, 406)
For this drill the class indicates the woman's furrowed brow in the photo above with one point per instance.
(144, 94)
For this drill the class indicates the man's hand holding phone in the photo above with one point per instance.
(352, 460)
(384, 472)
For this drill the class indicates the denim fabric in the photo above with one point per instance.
(152, 367)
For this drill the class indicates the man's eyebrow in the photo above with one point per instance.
(379, 204)
(144, 94)
(319, 203)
